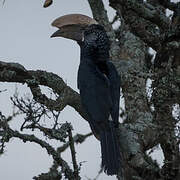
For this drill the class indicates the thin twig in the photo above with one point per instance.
(78, 138)
(73, 154)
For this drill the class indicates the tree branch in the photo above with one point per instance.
(73, 154)
(14, 72)
(168, 4)
(78, 138)
(153, 15)
(53, 174)
(31, 138)
(142, 28)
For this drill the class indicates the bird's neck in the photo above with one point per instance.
(94, 56)
(98, 61)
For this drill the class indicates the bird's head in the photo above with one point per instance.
(80, 27)
(86, 31)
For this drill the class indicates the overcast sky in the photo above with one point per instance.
(25, 38)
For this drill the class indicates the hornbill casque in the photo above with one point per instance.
(98, 82)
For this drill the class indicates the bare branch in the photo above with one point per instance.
(73, 154)
(14, 72)
(58, 134)
(168, 4)
(31, 138)
(53, 174)
(142, 28)
(153, 15)
(78, 138)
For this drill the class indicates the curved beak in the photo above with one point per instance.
(71, 26)
(74, 32)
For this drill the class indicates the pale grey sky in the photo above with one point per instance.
(25, 38)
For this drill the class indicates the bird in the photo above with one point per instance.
(98, 83)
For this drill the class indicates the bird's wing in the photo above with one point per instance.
(96, 98)
(115, 91)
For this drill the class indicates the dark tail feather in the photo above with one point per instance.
(111, 156)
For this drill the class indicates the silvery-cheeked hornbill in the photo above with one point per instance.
(98, 82)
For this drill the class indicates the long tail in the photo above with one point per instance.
(111, 155)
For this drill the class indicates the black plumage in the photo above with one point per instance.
(99, 87)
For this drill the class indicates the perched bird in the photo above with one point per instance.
(98, 82)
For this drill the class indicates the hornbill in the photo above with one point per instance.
(98, 82)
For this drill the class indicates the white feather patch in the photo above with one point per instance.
(110, 118)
